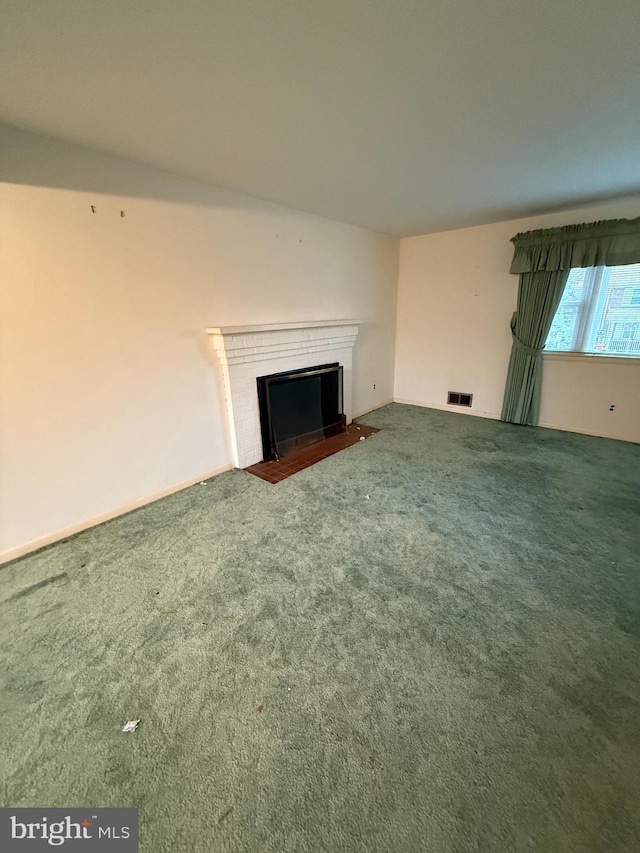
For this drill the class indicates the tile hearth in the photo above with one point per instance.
(298, 460)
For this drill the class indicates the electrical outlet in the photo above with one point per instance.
(612, 407)
(374, 386)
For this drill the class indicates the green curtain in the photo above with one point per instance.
(538, 299)
(543, 259)
(610, 243)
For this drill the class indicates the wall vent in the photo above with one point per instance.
(456, 398)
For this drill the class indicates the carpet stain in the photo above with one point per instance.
(482, 445)
(34, 587)
(224, 816)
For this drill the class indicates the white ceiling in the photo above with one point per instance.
(405, 116)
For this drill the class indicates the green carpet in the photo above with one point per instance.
(450, 665)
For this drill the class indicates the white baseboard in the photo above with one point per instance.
(50, 538)
(547, 425)
(443, 407)
(377, 406)
(462, 411)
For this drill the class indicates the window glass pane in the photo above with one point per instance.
(574, 291)
(563, 330)
(615, 328)
(561, 333)
(599, 312)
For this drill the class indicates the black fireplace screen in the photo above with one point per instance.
(300, 407)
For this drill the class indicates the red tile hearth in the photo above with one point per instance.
(298, 460)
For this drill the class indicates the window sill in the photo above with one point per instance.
(587, 356)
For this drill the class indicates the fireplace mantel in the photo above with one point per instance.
(246, 352)
(276, 327)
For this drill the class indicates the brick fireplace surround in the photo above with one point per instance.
(246, 352)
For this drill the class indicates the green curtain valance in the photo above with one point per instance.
(611, 242)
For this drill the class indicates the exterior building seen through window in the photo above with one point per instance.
(599, 313)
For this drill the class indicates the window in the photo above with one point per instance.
(599, 312)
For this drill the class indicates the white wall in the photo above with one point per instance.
(455, 300)
(109, 387)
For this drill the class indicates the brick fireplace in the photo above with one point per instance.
(246, 352)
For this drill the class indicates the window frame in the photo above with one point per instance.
(591, 306)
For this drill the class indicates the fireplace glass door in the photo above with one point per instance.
(299, 408)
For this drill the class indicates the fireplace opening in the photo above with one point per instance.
(300, 407)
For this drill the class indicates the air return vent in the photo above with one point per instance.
(456, 398)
